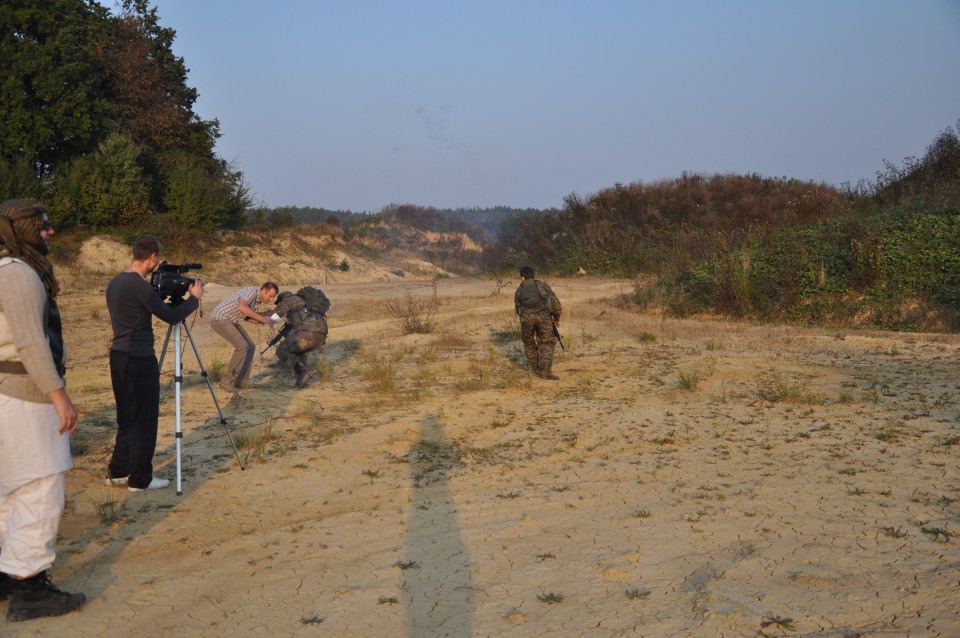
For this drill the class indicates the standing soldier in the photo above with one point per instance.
(539, 311)
(305, 313)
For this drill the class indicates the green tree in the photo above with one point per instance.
(148, 84)
(197, 197)
(101, 190)
(18, 178)
(53, 101)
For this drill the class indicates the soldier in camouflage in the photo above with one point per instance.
(539, 310)
(308, 332)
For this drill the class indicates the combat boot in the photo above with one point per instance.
(37, 597)
(549, 375)
(304, 374)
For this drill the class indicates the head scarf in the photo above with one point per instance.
(20, 223)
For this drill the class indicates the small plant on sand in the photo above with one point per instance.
(937, 532)
(413, 314)
(783, 624)
(638, 594)
(215, 370)
(888, 434)
(324, 368)
(254, 446)
(550, 597)
(646, 337)
(474, 379)
(449, 342)
(786, 391)
(499, 285)
(953, 440)
(689, 380)
(109, 510)
(312, 620)
(893, 532)
(382, 374)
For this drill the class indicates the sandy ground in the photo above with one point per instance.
(683, 478)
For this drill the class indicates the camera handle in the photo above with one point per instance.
(178, 379)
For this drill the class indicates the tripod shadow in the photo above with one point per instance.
(438, 591)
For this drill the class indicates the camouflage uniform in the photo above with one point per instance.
(537, 308)
(308, 332)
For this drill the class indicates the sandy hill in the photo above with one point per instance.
(244, 259)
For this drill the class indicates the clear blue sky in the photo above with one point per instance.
(357, 104)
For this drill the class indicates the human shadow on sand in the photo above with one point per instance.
(438, 587)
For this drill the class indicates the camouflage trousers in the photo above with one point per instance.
(536, 332)
(297, 347)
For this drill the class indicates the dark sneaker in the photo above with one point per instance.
(6, 586)
(37, 597)
(549, 376)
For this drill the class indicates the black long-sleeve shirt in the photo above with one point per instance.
(133, 303)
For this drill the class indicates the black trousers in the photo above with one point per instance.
(136, 390)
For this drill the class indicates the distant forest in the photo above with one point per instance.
(490, 219)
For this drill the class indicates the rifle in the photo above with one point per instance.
(556, 333)
(281, 333)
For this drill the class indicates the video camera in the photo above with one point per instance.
(170, 283)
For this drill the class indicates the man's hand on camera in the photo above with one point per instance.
(196, 288)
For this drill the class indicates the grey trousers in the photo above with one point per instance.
(238, 370)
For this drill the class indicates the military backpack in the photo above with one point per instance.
(316, 300)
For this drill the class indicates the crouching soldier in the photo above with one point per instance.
(305, 313)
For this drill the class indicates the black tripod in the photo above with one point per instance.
(178, 379)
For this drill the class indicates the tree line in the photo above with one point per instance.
(884, 253)
(98, 121)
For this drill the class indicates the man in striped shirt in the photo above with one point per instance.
(226, 320)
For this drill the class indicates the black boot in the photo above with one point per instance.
(6, 586)
(37, 597)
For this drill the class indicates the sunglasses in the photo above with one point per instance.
(46, 225)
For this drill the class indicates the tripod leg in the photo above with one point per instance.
(166, 342)
(178, 379)
(203, 373)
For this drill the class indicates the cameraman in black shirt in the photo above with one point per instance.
(134, 370)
